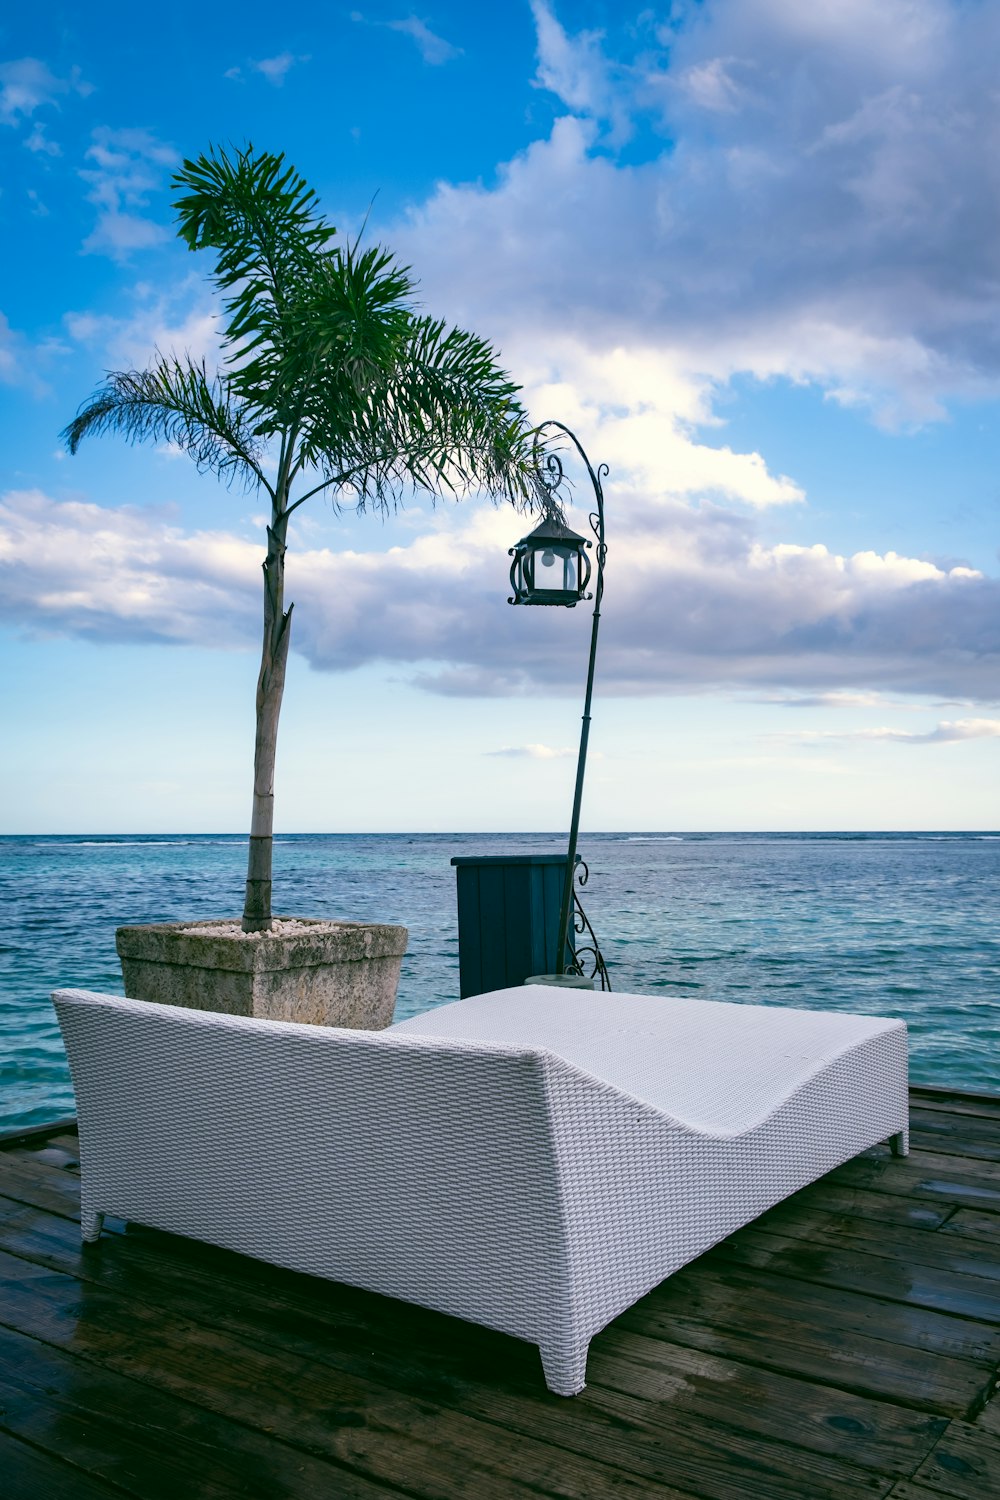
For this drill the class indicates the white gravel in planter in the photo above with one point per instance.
(289, 927)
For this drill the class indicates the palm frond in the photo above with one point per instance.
(174, 401)
(254, 210)
(441, 416)
(262, 220)
(342, 327)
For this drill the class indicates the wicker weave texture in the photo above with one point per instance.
(753, 1103)
(493, 1178)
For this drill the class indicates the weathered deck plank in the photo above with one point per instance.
(968, 1224)
(845, 1345)
(949, 1102)
(121, 1430)
(967, 1254)
(886, 1438)
(988, 1419)
(965, 1463)
(31, 1473)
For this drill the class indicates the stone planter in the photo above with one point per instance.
(325, 973)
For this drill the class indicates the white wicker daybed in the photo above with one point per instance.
(533, 1160)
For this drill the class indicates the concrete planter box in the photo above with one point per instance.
(325, 973)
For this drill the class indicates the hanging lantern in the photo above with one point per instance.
(550, 565)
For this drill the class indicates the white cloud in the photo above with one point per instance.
(710, 86)
(576, 69)
(274, 69)
(128, 166)
(958, 730)
(12, 354)
(947, 733)
(23, 363)
(637, 408)
(807, 202)
(834, 699)
(434, 49)
(28, 83)
(175, 319)
(119, 234)
(39, 143)
(120, 574)
(694, 601)
(531, 752)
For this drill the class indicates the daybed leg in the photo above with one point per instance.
(899, 1144)
(565, 1369)
(91, 1223)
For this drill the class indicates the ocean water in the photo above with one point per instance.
(892, 924)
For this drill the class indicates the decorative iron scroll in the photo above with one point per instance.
(550, 475)
(586, 953)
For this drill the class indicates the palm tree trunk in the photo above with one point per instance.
(270, 688)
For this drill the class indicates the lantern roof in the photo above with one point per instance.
(553, 531)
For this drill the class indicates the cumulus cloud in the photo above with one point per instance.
(274, 69)
(808, 201)
(435, 50)
(838, 698)
(531, 752)
(639, 410)
(39, 143)
(23, 363)
(173, 319)
(947, 733)
(126, 574)
(835, 699)
(128, 165)
(28, 83)
(13, 348)
(578, 70)
(694, 601)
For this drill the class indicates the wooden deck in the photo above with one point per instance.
(846, 1345)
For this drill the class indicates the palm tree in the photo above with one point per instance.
(331, 383)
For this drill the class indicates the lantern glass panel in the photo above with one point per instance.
(555, 569)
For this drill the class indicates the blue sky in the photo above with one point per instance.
(748, 249)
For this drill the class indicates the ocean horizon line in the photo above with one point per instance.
(238, 836)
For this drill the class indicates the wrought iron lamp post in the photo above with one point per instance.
(551, 565)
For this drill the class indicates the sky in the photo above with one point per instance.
(749, 250)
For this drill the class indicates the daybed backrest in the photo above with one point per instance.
(201, 1123)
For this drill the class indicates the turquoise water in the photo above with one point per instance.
(893, 924)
